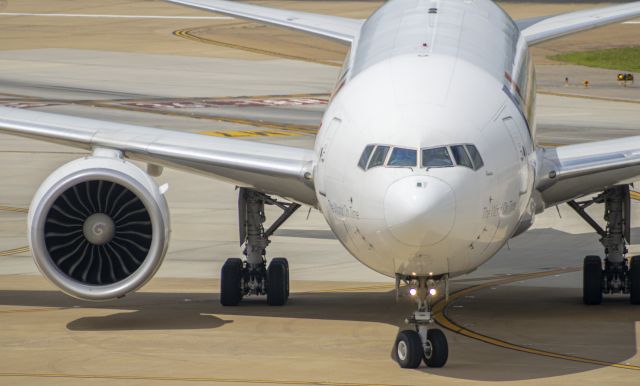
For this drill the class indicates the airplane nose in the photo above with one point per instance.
(420, 211)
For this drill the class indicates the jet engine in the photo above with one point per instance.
(99, 227)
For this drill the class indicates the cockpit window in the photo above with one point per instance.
(475, 157)
(403, 157)
(466, 155)
(364, 158)
(379, 156)
(461, 156)
(436, 158)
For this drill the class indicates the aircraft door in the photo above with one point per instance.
(323, 171)
(520, 146)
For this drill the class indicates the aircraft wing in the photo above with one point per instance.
(568, 172)
(541, 29)
(334, 27)
(280, 170)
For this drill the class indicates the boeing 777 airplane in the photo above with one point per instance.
(424, 167)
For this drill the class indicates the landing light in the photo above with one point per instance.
(413, 292)
(432, 292)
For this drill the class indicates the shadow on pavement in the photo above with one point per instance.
(552, 320)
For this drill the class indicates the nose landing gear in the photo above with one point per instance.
(420, 343)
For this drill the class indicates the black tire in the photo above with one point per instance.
(277, 283)
(286, 264)
(439, 349)
(634, 278)
(230, 282)
(592, 280)
(408, 349)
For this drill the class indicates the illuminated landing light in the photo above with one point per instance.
(413, 292)
(432, 292)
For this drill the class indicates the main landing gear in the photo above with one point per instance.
(420, 342)
(252, 276)
(619, 275)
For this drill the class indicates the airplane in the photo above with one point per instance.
(424, 166)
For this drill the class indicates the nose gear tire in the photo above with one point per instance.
(439, 349)
(408, 349)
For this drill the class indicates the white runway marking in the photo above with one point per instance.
(631, 22)
(117, 16)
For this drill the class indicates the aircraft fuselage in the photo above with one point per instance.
(430, 85)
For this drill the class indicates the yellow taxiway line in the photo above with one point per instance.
(188, 33)
(272, 129)
(300, 130)
(443, 319)
(14, 251)
(249, 133)
(4, 208)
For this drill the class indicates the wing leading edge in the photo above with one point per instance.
(541, 29)
(280, 170)
(573, 171)
(334, 27)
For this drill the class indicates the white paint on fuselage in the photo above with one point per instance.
(420, 79)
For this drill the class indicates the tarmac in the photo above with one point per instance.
(516, 320)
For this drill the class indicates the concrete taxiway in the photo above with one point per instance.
(516, 320)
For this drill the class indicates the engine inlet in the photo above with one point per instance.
(98, 232)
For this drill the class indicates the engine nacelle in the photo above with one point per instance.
(99, 227)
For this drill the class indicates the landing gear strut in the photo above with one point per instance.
(252, 276)
(619, 275)
(420, 343)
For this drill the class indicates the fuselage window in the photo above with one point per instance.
(461, 156)
(364, 158)
(436, 158)
(475, 157)
(403, 158)
(378, 157)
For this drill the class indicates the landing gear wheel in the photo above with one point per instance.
(592, 280)
(278, 283)
(286, 264)
(437, 351)
(408, 349)
(230, 282)
(634, 278)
